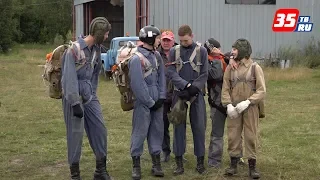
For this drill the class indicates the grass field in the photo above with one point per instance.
(32, 131)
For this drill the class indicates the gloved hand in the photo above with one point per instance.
(232, 112)
(242, 106)
(184, 94)
(193, 90)
(77, 111)
(157, 104)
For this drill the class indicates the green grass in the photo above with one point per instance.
(32, 131)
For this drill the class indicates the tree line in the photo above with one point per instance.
(33, 21)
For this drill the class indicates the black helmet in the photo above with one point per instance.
(211, 43)
(148, 34)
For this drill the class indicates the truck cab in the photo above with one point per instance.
(109, 58)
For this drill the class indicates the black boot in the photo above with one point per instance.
(156, 166)
(136, 170)
(179, 169)
(232, 170)
(200, 165)
(75, 171)
(101, 172)
(253, 173)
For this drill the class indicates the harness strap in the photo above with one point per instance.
(146, 64)
(250, 78)
(80, 55)
(179, 63)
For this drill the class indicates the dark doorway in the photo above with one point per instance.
(114, 14)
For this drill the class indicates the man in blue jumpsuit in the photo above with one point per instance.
(167, 42)
(189, 73)
(81, 107)
(148, 84)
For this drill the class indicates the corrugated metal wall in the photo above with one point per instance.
(228, 22)
(79, 20)
(130, 17)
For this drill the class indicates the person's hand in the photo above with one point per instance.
(233, 63)
(158, 104)
(193, 90)
(77, 111)
(242, 106)
(184, 94)
(216, 51)
(232, 112)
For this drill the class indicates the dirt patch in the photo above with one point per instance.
(17, 162)
(54, 169)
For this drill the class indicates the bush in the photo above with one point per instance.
(304, 55)
(312, 53)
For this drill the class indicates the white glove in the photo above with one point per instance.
(242, 106)
(232, 112)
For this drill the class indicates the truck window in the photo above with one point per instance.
(122, 43)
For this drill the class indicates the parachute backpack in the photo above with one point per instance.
(52, 68)
(120, 73)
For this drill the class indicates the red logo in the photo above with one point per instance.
(285, 20)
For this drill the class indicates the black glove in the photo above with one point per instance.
(193, 90)
(77, 111)
(184, 94)
(157, 104)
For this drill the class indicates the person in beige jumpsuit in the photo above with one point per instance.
(242, 100)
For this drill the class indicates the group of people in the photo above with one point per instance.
(179, 72)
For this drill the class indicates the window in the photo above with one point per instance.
(122, 43)
(250, 1)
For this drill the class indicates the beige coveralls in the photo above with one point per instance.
(248, 120)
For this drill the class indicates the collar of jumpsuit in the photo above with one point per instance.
(190, 46)
(141, 46)
(245, 62)
(147, 53)
(83, 44)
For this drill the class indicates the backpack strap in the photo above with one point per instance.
(250, 78)
(196, 67)
(146, 65)
(93, 59)
(158, 57)
(178, 62)
(252, 81)
(79, 55)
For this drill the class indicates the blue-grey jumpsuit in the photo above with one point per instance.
(81, 87)
(145, 123)
(197, 108)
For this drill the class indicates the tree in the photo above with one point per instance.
(33, 21)
(6, 25)
(58, 18)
